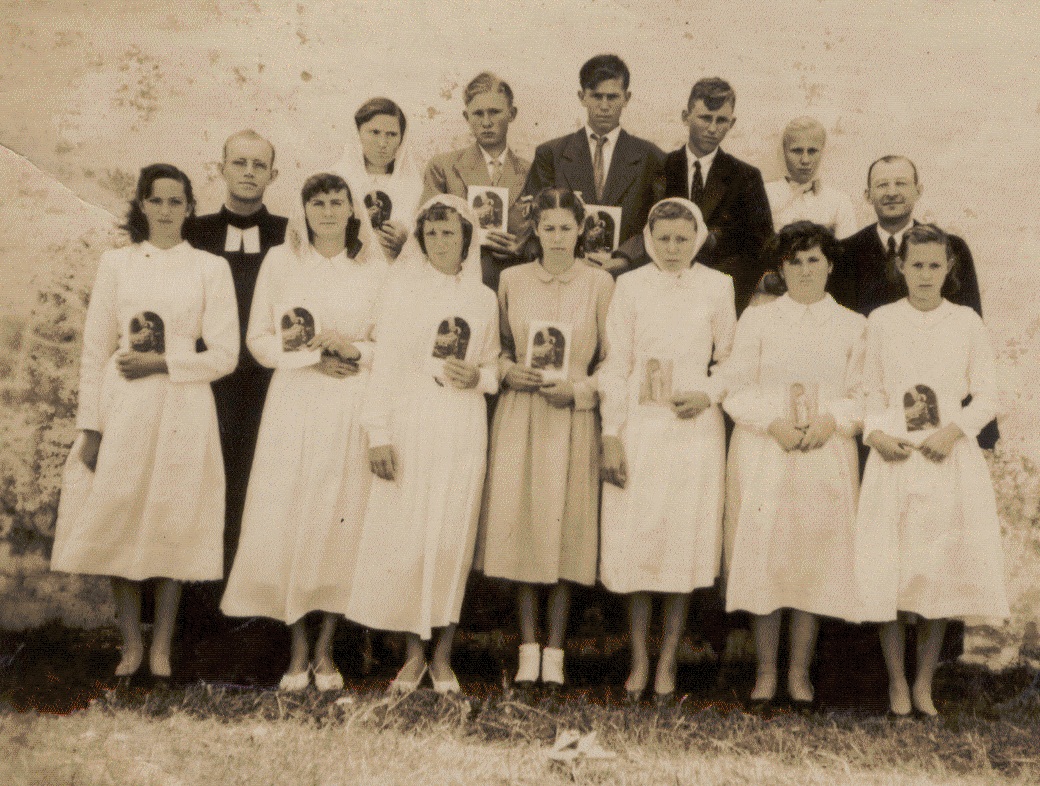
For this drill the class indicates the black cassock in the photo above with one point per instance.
(240, 395)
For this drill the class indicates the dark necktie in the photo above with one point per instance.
(892, 268)
(496, 171)
(697, 185)
(598, 175)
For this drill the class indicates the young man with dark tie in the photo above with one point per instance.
(604, 162)
(489, 161)
(242, 232)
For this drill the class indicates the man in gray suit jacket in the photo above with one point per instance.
(487, 162)
(605, 163)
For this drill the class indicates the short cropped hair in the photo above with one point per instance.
(601, 68)
(714, 91)
(923, 234)
(374, 107)
(327, 183)
(804, 123)
(554, 199)
(891, 160)
(799, 236)
(251, 135)
(669, 211)
(136, 224)
(442, 212)
(487, 82)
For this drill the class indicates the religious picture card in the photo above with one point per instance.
(490, 206)
(655, 382)
(145, 332)
(602, 229)
(295, 328)
(803, 403)
(380, 207)
(451, 339)
(549, 349)
(920, 409)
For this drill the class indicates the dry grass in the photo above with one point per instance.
(219, 736)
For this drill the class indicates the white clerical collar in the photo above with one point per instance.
(610, 136)
(242, 240)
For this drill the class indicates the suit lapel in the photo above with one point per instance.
(576, 166)
(676, 174)
(512, 176)
(719, 177)
(624, 165)
(471, 167)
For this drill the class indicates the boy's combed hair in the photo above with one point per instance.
(136, 224)
(328, 183)
(601, 68)
(714, 91)
(441, 212)
(487, 82)
(374, 107)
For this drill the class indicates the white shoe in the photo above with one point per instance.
(328, 681)
(402, 686)
(450, 685)
(552, 665)
(295, 683)
(530, 663)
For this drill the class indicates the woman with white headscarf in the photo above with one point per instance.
(310, 477)
(663, 434)
(426, 420)
(380, 166)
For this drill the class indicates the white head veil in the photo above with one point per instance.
(403, 186)
(702, 229)
(471, 266)
(296, 234)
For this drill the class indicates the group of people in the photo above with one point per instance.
(353, 475)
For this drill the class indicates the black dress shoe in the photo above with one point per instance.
(664, 701)
(633, 698)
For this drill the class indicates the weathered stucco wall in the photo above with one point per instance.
(91, 91)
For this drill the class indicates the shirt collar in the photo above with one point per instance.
(884, 235)
(612, 136)
(812, 187)
(150, 250)
(488, 158)
(818, 310)
(565, 277)
(706, 161)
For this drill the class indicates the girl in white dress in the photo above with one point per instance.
(928, 538)
(426, 419)
(310, 478)
(663, 435)
(379, 165)
(143, 492)
(793, 473)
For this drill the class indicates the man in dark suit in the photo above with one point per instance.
(487, 162)
(866, 276)
(605, 163)
(241, 232)
(730, 193)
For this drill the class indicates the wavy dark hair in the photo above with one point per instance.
(136, 224)
(554, 199)
(327, 183)
(923, 234)
(785, 244)
(441, 212)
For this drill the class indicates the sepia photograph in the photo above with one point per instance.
(729, 466)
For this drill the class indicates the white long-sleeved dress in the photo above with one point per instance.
(928, 536)
(154, 507)
(416, 544)
(790, 516)
(310, 476)
(663, 531)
